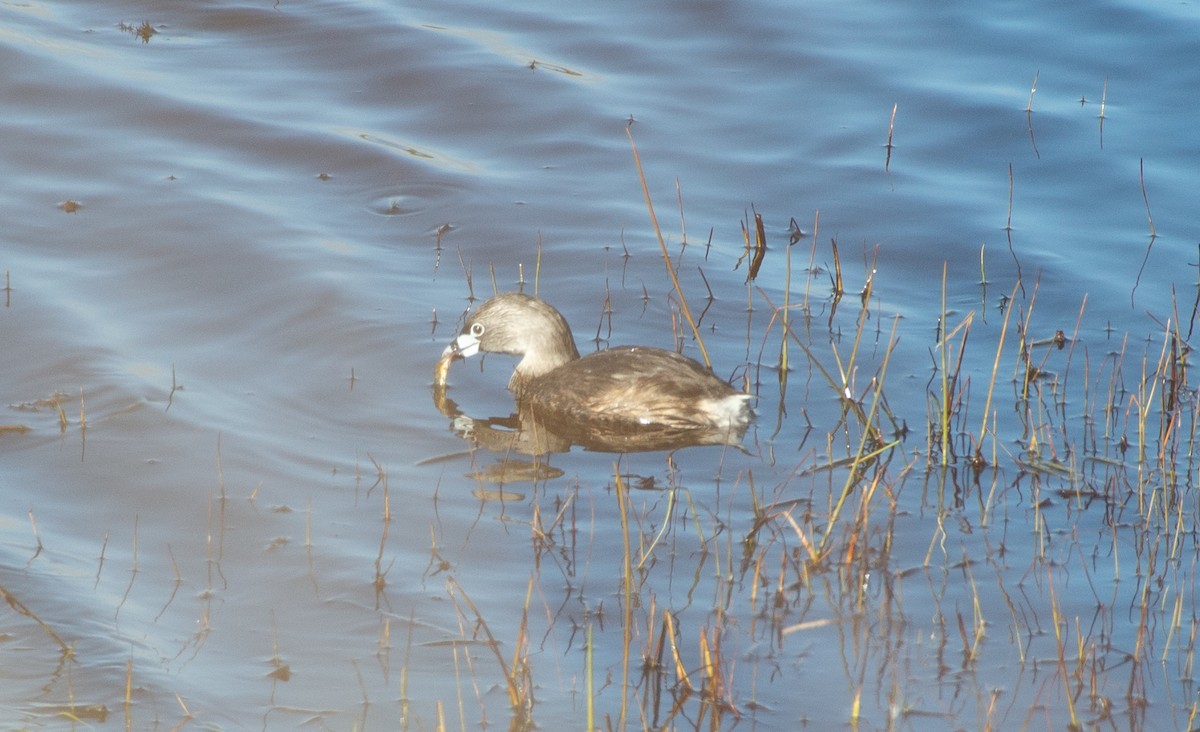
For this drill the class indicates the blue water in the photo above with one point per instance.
(283, 209)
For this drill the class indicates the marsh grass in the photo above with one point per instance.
(1031, 560)
(1028, 561)
(1025, 426)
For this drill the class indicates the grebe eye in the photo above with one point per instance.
(477, 329)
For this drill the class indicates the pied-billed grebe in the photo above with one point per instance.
(627, 388)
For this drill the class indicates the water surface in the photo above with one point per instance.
(237, 236)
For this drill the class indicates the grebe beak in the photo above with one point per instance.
(464, 346)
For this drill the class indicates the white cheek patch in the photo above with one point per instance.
(466, 345)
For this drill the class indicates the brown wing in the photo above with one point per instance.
(629, 386)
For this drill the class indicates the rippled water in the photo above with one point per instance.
(237, 235)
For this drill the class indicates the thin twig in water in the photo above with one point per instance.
(1103, 101)
(760, 246)
(1150, 219)
(1195, 308)
(683, 306)
(838, 291)
(1008, 228)
(891, 128)
(537, 268)
(682, 220)
(515, 695)
(37, 537)
(174, 388)
(1008, 223)
(1029, 113)
(21, 608)
(466, 268)
(1145, 198)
